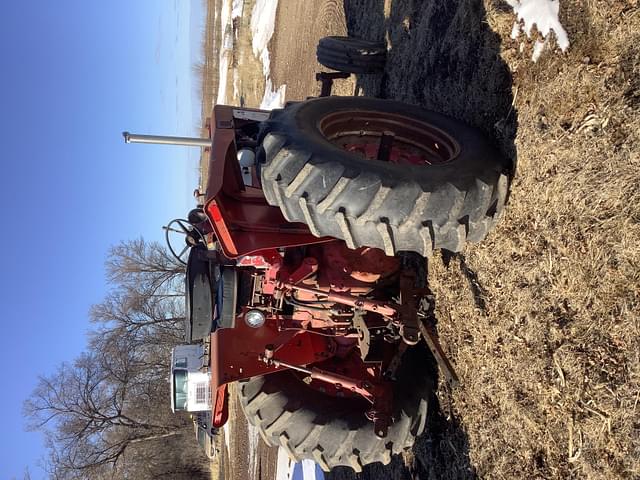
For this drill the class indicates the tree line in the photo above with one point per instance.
(107, 413)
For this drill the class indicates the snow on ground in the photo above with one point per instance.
(227, 436)
(254, 439)
(263, 22)
(544, 15)
(236, 80)
(272, 98)
(226, 49)
(237, 8)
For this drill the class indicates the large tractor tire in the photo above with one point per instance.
(383, 174)
(352, 55)
(334, 431)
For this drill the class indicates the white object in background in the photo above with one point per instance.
(246, 159)
(190, 389)
(309, 470)
(284, 466)
(273, 98)
(544, 15)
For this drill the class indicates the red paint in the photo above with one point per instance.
(399, 155)
(235, 352)
(383, 308)
(256, 261)
(220, 407)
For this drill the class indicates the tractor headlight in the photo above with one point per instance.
(254, 318)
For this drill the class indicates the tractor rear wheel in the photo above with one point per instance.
(334, 431)
(383, 174)
(352, 55)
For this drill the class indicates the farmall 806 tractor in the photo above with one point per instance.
(314, 297)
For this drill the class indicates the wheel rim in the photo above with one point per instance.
(389, 137)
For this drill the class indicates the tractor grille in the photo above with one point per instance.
(201, 393)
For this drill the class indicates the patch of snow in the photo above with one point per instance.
(254, 440)
(236, 79)
(266, 62)
(226, 51)
(273, 98)
(537, 50)
(237, 8)
(544, 15)
(263, 22)
(227, 437)
(284, 466)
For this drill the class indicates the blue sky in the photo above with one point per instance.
(75, 75)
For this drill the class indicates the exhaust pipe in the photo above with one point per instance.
(166, 140)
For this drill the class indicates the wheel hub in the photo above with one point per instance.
(409, 141)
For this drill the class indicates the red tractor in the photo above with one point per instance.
(315, 297)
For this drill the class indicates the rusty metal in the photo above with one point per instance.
(352, 270)
(360, 387)
(380, 395)
(234, 351)
(390, 372)
(408, 309)
(364, 336)
(382, 412)
(308, 267)
(441, 358)
(383, 308)
(384, 149)
(415, 142)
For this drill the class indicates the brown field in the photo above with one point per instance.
(541, 319)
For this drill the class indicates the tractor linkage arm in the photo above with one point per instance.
(406, 315)
(375, 392)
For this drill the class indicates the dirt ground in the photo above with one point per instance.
(541, 319)
(235, 463)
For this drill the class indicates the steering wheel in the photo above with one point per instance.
(193, 236)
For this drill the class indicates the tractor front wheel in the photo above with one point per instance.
(352, 55)
(334, 431)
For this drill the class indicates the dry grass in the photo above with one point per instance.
(551, 365)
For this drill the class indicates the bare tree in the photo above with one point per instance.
(143, 318)
(136, 263)
(106, 414)
(99, 406)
